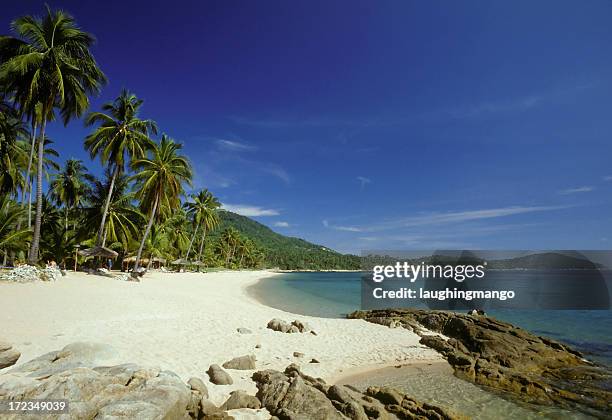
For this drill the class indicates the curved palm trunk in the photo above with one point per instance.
(33, 257)
(146, 234)
(191, 242)
(100, 240)
(202, 244)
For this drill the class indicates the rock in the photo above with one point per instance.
(111, 392)
(240, 399)
(279, 325)
(241, 363)
(197, 384)
(294, 396)
(301, 326)
(298, 354)
(314, 361)
(207, 408)
(285, 327)
(499, 355)
(258, 346)
(8, 355)
(218, 376)
(80, 354)
(244, 331)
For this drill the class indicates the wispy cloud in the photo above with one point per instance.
(234, 146)
(607, 178)
(282, 224)
(250, 211)
(443, 218)
(364, 181)
(276, 171)
(577, 190)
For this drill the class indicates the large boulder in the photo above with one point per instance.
(499, 355)
(291, 395)
(218, 376)
(198, 385)
(241, 363)
(8, 355)
(124, 391)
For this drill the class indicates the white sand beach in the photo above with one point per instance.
(186, 322)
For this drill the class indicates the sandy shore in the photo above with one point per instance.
(186, 322)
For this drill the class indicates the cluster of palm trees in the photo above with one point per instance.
(47, 70)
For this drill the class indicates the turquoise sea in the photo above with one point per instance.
(336, 294)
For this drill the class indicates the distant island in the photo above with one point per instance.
(537, 261)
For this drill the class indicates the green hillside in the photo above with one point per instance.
(286, 252)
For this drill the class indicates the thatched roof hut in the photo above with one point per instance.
(98, 251)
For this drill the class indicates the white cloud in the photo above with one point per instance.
(234, 146)
(577, 190)
(277, 171)
(249, 211)
(282, 224)
(364, 181)
(607, 178)
(443, 218)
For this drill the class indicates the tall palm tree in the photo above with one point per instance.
(49, 165)
(123, 218)
(203, 211)
(49, 63)
(69, 187)
(121, 137)
(160, 179)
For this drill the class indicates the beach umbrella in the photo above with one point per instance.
(129, 259)
(181, 261)
(98, 251)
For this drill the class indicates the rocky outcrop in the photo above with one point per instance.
(125, 391)
(29, 273)
(218, 376)
(241, 363)
(286, 327)
(499, 355)
(294, 396)
(8, 355)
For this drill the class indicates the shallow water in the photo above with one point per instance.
(441, 388)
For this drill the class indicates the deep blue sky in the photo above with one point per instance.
(376, 125)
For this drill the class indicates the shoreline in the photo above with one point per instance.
(184, 322)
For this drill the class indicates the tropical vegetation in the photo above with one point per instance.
(139, 207)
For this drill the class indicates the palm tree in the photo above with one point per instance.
(49, 63)
(203, 211)
(12, 239)
(49, 165)
(11, 158)
(69, 187)
(120, 138)
(123, 218)
(160, 181)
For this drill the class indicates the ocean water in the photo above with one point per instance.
(333, 295)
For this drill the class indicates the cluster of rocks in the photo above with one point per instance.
(292, 395)
(130, 391)
(500, 355)
(8, 355)
(293, 327)
(29, 273)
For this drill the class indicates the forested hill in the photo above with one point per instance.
(287, 252)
